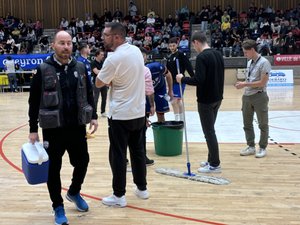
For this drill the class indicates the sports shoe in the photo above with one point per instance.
(261, 153)
(115, 201)
(210, 169)
(149, 162)
(247, 151)
(203, 164)
(60, 216)
(141, 194)
(79, 202)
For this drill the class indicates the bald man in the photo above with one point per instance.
(61, 102)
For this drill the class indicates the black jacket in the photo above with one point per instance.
(209, 76)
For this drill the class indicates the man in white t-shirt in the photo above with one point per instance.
(11, 73)
(123, 70)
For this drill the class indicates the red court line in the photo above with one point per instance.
(99, 199)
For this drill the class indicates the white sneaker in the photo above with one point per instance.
(247, 151)
(262, 152)
(210, 169)
(115, 201)
(141, 194)
(203, 164)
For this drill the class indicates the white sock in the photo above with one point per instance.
(181, 117)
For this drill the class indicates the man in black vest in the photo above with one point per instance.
(61, 101)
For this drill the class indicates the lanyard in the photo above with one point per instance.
(252, 66)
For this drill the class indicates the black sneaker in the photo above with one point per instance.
(149, 162)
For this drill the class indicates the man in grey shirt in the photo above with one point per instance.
(255, 99)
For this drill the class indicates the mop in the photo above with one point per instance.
(189, 175)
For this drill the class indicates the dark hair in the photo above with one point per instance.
(117, 28)
(9, 57)
(173, 40)
(199, 36)
(98, 51)
(248, 44)
(82, 46)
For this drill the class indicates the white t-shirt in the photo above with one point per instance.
(124, 70)
(10, 66)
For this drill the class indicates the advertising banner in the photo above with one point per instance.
(26, 61)
(281, 78)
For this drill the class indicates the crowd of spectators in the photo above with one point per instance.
(18, 37)
(276, 31)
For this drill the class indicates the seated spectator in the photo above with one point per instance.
(91, 39)
(215, 25)
(64, 24)
(264, 44)
(164, 46)
(170, 21)
(151, 12)
(157, 37)
(217, 39)
(277, 43)
(89, 24)
(225, 17)
(10, 41)
(183, 43)
(166, 36)
(44, 43)
(275, 26)
(289, 43)
(148, 40)
(79, 25)
(176, 30)
(158, 22)
(237, 48)
(150, 20)
(39, 29)
(166, 28)
(235, 24)
(149, 29)
(225, 26)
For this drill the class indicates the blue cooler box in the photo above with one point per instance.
(35, 163)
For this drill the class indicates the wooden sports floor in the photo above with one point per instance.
(262, 191)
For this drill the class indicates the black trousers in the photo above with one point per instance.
(74, 141)
(123, 134)
(103, 92)
(208, 115)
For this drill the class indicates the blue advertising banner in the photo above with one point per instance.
(26, 61)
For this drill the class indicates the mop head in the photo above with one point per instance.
(196, 177)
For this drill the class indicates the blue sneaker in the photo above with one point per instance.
(80, 203)
(60, 216)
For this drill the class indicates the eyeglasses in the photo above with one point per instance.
(107, 35)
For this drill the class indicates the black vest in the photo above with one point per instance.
(51, 105)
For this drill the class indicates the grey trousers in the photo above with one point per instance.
(257, 103)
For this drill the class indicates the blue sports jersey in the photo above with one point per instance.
(157, 71)
(87, 64)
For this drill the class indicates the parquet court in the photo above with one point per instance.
(262, 191)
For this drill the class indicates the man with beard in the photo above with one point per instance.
(126, 117)
(61, 101)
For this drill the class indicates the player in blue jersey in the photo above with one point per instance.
(84, 50)
(161, 77)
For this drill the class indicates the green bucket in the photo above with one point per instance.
(168, 137)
